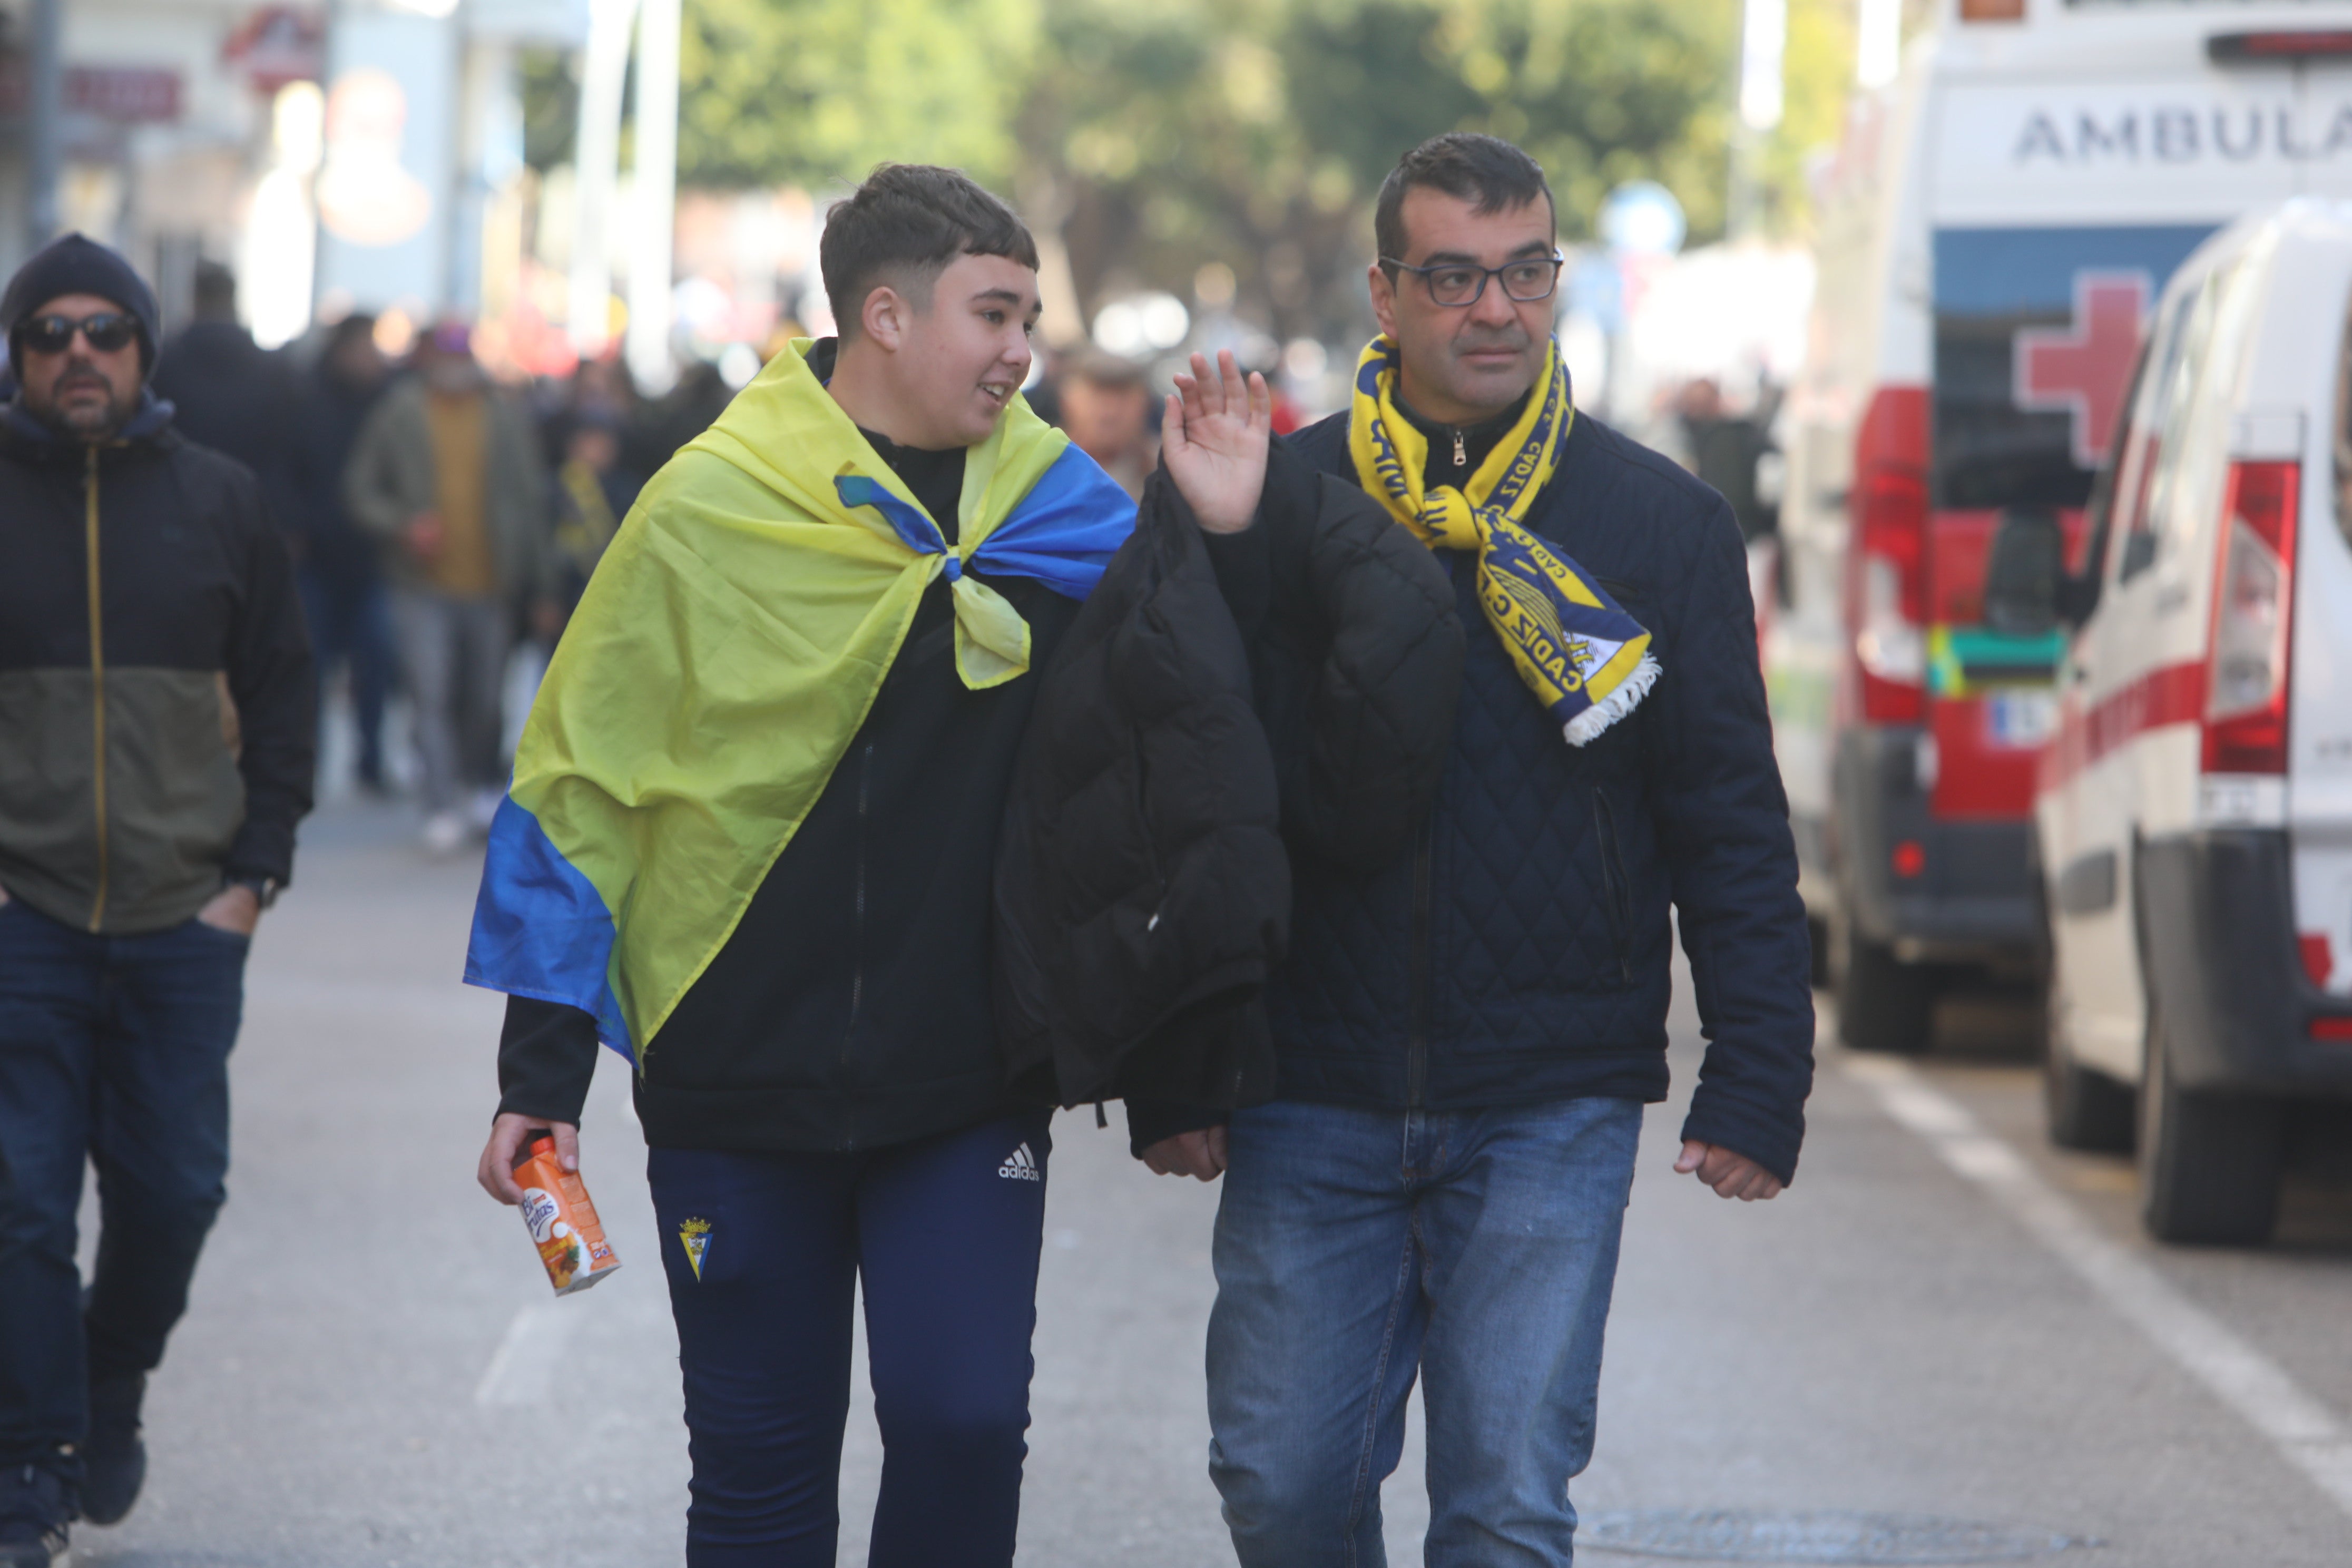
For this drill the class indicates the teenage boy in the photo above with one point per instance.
(750, 841)
(1466, 1038)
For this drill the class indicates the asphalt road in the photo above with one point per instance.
(1940, 1319)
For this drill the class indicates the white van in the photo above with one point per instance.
(1994, 231)
(2194, 813)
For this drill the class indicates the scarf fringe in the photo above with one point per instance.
(1587, 726)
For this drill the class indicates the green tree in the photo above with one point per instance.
(1154, 139)
(818, 91)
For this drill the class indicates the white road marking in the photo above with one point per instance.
(2304, 1431)
(524, 1368)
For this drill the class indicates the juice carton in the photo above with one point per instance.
(563, 1221)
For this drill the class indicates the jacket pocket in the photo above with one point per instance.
(1616, 892)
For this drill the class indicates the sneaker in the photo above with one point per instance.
(444, 834)
(35, 1509)
(114, 1458)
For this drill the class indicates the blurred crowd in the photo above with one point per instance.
(444, 522)
(440, 520)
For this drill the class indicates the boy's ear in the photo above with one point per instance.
(884, 316)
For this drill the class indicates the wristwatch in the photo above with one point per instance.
(263, 888)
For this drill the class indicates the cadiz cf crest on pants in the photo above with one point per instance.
(694, 1234)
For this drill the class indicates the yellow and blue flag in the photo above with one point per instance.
(725, 653)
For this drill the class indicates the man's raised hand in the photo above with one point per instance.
(1213, 441)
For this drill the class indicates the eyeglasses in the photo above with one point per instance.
(106, 333)
(1458, 283)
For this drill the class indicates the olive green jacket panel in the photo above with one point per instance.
(139, 845)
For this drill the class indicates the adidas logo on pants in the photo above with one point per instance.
(1020, 1166)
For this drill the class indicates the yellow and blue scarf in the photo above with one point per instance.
(725, 653)
(1586, 661)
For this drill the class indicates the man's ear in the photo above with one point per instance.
(883, 316)
(1384, 298)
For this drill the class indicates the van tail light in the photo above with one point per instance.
(2254, 615)
(1886, 589)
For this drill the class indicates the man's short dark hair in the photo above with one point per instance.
(902, 228)
(1485, 170)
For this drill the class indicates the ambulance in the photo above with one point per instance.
(2195, 808)
(1994, 232)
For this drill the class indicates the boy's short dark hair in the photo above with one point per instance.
(902, 228)
(1483, 169)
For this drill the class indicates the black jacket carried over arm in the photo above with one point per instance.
(1216, 696)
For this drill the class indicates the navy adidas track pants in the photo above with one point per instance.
(762, 1253)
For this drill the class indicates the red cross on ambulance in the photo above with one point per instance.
(2080, 368)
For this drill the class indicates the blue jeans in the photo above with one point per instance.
(1356, 1250)
(945, 1232)
(114, 1049)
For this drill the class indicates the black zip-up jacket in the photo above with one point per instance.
(157, 711)
(851, 1007)
(1519, 952)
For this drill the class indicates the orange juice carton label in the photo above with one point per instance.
(562, 1220)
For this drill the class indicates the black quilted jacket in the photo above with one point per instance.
(1214, 697)
(1517, 949)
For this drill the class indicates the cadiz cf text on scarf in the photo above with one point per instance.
(1586, 661)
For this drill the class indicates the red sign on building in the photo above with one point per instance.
(128, 95)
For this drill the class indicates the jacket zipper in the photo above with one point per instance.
(97, 684)
(1461, 452)
(1612, 877)
(857, 921)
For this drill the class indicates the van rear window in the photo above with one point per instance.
(2036, 333)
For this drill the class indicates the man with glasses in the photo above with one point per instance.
(155, 752)
(1467, 1034)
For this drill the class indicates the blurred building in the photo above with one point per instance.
(361, 156)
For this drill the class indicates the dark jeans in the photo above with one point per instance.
(351, 620)
(945, 1233)
(114, 1049)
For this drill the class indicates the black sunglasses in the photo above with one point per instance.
(106, 333)
(1457, 283)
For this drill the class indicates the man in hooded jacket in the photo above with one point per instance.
(156, 738)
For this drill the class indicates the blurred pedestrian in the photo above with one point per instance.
(1466, 1034)
(781, 750)
(598, 389)
(685, 411)
(234, 395)
(341, 579)
(593, 493)
(146, 600)
(1107, 407)
(1726, 451)
(447, 476)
